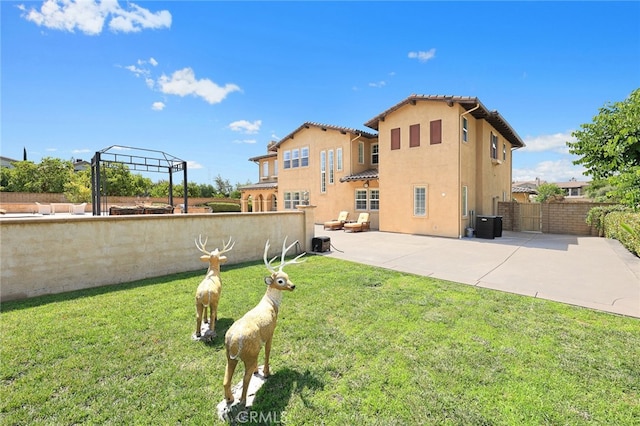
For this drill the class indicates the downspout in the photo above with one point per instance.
(460, 231)
(350, 157)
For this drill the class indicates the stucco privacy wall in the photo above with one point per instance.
(48, 256)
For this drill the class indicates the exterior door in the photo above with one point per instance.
(531, 217)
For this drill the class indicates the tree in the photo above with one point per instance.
(223, 187)
(547, 191)
(611, 143)
(78, 188)
(609, 148)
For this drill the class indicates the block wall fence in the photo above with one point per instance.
(557, 217)
(59, 254)
(25, 202)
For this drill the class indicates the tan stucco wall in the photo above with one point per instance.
(339, 195)
(443, 168)
(433, 166)
(45, 256)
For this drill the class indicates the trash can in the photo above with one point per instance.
(320, 244)
(485, 227)
(497, 226)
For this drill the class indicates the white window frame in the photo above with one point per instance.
(374, 199)
(275, 168)
(375, 153)
(304, 156)
(339, 159)
(265, 169)
(295, 158)
(494, 146)
(286, 160)
(323, 172)
(360, 152)
(361, 204)
(420, 200)
(465, 129)
(287, 200)
(331, 161)
(465, 201)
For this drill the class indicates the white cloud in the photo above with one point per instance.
(378, 84)
(157, 106)
(81, 151)
(192, 165)
(556, 142)
(423, 56)
(247, 141)
(183, 83)
(137, 71)
(89, 16)
(153, 62)
(246, 126)
(560, 170)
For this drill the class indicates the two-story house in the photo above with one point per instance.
(435, 163)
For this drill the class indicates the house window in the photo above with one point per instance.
(331, 166)
(304, 156)
(374, 199)
(361, 199)
(339, 159)
(295, 158)
(287, 200)
(265, 169)
(360, 152)
(465, 129)
(420, 201)
(414, 135)
(395, 138)
(295, 199)
(323, 171)
(465, 208)
(504, 152)
(275, 168)
(287, 159)
(494, 146)
(435, 132)
(374, 153)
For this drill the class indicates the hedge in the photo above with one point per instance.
(224, 207)
(624, 227)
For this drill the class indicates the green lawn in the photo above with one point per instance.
(354, 345)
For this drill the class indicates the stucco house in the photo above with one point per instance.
(430, 165)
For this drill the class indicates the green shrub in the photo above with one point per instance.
(624, 227)
(224, 207)
(596, 215)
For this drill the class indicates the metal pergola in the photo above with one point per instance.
(138, 159)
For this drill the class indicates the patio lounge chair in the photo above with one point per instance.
(337, 223)
(78, 208)
(43, 208)
(361, 225)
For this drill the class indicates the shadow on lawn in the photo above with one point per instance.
(278, 389)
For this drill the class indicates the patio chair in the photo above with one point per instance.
(337, 223)
(78, 208)
(43, 208)
(361, 225)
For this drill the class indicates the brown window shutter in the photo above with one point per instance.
(395, 138)
(436, 132)
(414, 135)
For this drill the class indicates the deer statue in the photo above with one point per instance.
(208, 292)
(245, 337)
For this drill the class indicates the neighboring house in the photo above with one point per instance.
(574, 188)
(7, 162)
(522, 194)
(434, 163)
(80, 164)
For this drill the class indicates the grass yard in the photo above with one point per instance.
(354, 345)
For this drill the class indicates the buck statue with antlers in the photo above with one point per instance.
(245, 337)
(208, 292)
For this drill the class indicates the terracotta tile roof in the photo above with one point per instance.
(468, 103)
(263, 156)
(327, 127)
(371, 174)
(265, 185)
(520, 189)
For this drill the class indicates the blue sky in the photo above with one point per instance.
(213, 82)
